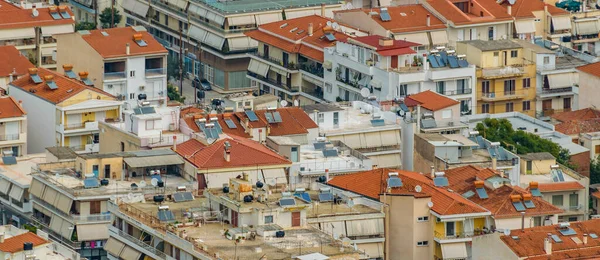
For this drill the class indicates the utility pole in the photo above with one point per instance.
(180, 61)
(112, 13)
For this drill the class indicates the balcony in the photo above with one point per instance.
(459, 235)
(92, 218)
(86, 148)
(507, 95)
(156, 72)
(75, 127)
(274, 83)
(290, 66)
(312, 69)
(549, 112)
(11, 137)
(119, 75)
(120, 235)
(502, 72)
(549, 92)
(463, 91)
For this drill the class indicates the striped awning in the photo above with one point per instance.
(258, 67)
(525, 26)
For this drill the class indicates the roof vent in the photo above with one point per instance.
(283, 25)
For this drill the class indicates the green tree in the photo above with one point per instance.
(595, 171)
(85, 26)
(173, 93)
(106, 17)
(173, 68)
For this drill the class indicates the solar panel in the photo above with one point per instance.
(330, 153)
(218, 127)
(394, 182)
(463, 63)
(444, 57)
(433, 61)
(137, 111)
(52, 85)
(36, 79)
(593, 235)
(55, 16)
(567, 232)
(148, 110)
(88, 82)
(529, 204)
(441, 61)
(188, 196)
(320, 145)
(215, 133)
(230, 123)
(178, 197)
(141, 43)
(277, 117)
(428, 123)
(65, 15)
(556, 239)
(183, 196)
(561, 177)
(377, 122)
(9, 160)
(324, 197)
(330, 37)
(70, 74)
(166, 215)
(269, 117)
(91, 183)
(251, 116)
(440, 181)
(536, 192)
(385, 16)
(468, 194)
(287, 202)
(304, 196)
(453, 61)
(518, 206)
(481, 193)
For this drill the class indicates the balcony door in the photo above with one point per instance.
(266, 50)
(567, 104)
(450, 229)
(547, 104)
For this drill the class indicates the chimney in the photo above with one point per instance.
(310, 29)
(227, 152)
(2, 238)
(585, 237)
(386, 41)
(245, 176)
(522, 221)
(21, 103)
(428, 20)
(509, 9)
(432, 172)
(175, 143)
(127, 48)
(323, 10)
(326, 175)
(548, 244)
(11, 76)
(494, 162)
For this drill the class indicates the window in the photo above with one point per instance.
(423, 243)
(597, 149)
(485, 87)
(509, 87)
(131, 95)
(496, 54)
(574, 200)
(132, 74)
(180, 25)
(485, 108)
(336, 118)
(269, 219)
(567, 103)
(94, 207)
(491, 33)
(526, 82)
(450, 229)
(209, 73)
(401, 90)
(328, 87)
(150, 125)
(423, 219)
(166, 20)
(447, 114)
(461, 86)
(321, 118)
(510, 106)
(514, 54)
(537, 221)
(557, 200)
(441, 87)
(546, 60)
(526, 105)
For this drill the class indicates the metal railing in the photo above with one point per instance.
(103, 217)
(572, 207)
(156, 72)
(11, 137)
(312, 68)
(549, 112)
(457, 92)
(459, 235)
(138, 242)
(114, 75)
(274, 82)
(503, 71)
(556, 90)
(288, 65)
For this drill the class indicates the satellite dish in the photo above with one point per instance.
(154, 182)
(283, 103)
(142, 184)
(296, 103)
(418, 188)
(507, 232)
(329, 23)
(430, 204)
(512, 2)
(272, 182)
(365, 92)
(350, 203)
(335, 26)
(35, 13)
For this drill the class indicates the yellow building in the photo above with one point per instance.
(63, 110)
(506, 80)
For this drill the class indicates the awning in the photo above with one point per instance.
(4, 185)
(67, 229)
(64, 203)
(365, 227)
(241, 43)
(278, 175)
(50, 195)
(214, 40)
(16, 193)
(92, 232)
(57, 29)
(372, 139)
(114, 247)
(215, 17)
(454, 250)
(241, 20)
(197, 33)
(130, 253)
(279, 71)
(587, 27)
(420, 38)
(42, 209)
(137, 7)
(561, 80)
(197, 10)
(389, 138)
(48, 51)
(525, 26)
(561, 22)
(152, 161)
(268, 18)
(182, 4)
(439, 38)
(56, 223)
(295, 13)
(22, 33)
(375, 83)
(258, 67)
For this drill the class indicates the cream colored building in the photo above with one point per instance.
(13, 128)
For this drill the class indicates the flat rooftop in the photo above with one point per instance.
(20, 173)
(542, 178)
(356, 119)
(346, 159)
(518, 120)
(248, 6)
(493, 45)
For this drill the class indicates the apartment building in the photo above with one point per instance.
(67, 111)
(589, 78)
(581, 126)
(437, 228)
(21, 244)
(19, 30)
(436, 113)
(13, 128)
(585, 30)
(505, 79)
(89, 10)
(15, 65)
(209, 36)
(559, 241)
(14, 189)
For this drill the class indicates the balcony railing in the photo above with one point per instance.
(11, 137)
(349, 82)
(556, 90)
(138, 242)
(75, 126)
(106, 217)
(287, 65)
(460, 235)
(312, 69)
(114, 75)
(156, 72)
(457, 92)
(508, 71)
(572, 207)
(507, 95)
(549, 112)
(274, 82)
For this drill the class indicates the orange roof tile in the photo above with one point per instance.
(300, 24)
(190, 111)
(578, 126)
(592, 69)
(12, 18)
(431, 100)
(581, 114)
(596, 194)
(480, 13)
(314, 54)
(560, 186)
(525, 9)
(318, 40)
(373, 183)
(12, 59)
(530, 244)
(9, 107)
(15, 244)
(113, 45)
(66, 87)
(407, 18)
(462, 180)
(294, 121)
(244, 153)
(273, 41)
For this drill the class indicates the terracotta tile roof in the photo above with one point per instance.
(9, 107)
(273, 41)
(239, 130)
(190, 111)
(525, 9)
(66, 87)
(530, 244)
(596, 194)
(12, 59)
(9, 7)
(578, 126)
(15, 244)
(311, 53)
(560, 186)
(244, 153)
(373, 183)
(581, 114)
(373, 41)
(301, 24)
(294, 121)
(113, 45)
(318, 40)
(431, 100)
(413, 20)
(13, 18)
(499, 203)
(491, 13)
(592, 69)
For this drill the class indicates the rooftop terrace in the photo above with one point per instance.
(21, 172)
(357, 118)
(344, 159)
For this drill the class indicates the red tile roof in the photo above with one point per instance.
(294, 121)
(407, 18)
(373, 183)
(285, 28)
(596, 194)
(244, 153)
(462, 180)
(530, 244)
(312, 53)
(13, 18)
(66, 87)
(373, 41)
(431, 100)
(560, 186)
(525, 9)
(581, 114)
(113, 45)
(12, 59)
(9, 107)
(578, 126)
(273, 41)
(15, 244)
(491, 13)
(592, 69)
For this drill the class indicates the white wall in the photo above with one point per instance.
(490, 247)
(41, 127)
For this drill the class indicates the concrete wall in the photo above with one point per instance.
(478, 32)
(537, 166)
(362, 20)
(582, 161)
(85, 59)
(490, 247)
(116, 137)
(402, 230)
(87, 166)
(588, 91)
(515, 222)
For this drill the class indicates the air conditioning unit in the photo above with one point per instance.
(142, 87)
